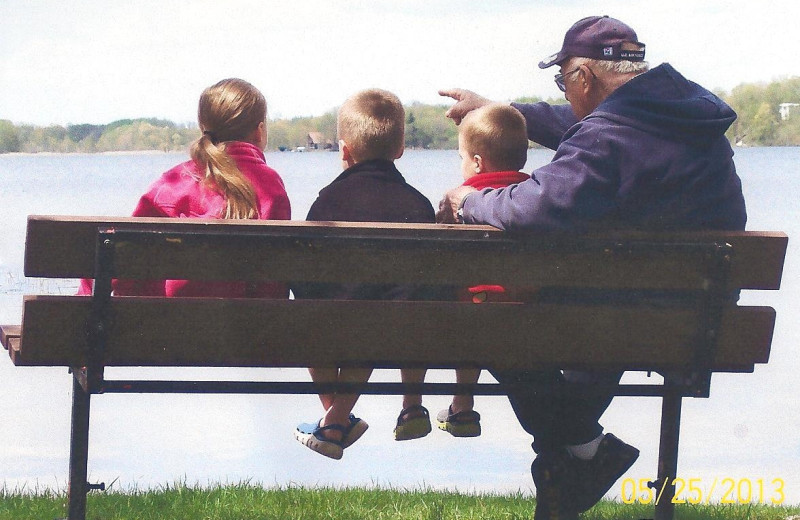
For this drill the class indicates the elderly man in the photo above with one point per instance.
(635, 148)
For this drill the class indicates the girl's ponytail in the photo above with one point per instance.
(231, 110)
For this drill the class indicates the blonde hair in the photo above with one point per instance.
(372, 123)
(498, 133)
(230, 110)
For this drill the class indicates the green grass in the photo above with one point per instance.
(251, 502)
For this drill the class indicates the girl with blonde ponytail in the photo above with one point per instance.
(230, 111)
(227, 177)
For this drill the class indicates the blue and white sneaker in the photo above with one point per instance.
(312, 436)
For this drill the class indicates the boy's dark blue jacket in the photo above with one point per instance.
(370, 191)
(653, 155)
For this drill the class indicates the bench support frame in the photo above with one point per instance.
(90, 379)
(664, 487)
(78, 451)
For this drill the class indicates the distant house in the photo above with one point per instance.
(786, 109)
(317, 141)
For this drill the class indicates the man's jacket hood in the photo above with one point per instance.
(667, 104)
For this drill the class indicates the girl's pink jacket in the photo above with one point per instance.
(180, 192)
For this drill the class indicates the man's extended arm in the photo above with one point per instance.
(466, 102)
(546, 123)
(577, 188)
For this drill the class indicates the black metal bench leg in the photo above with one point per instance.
(668, 455)
(78, 451)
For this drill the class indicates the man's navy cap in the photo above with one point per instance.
(597, 37)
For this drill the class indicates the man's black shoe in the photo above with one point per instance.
(567, 486)
(553, 475)
(594, 477)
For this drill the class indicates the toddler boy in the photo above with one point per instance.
(493, 146)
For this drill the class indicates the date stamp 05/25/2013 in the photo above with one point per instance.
(726, 490)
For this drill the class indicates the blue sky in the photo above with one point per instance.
(94, 62)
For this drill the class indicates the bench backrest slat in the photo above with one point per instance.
(461, 255)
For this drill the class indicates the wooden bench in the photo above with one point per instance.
(706, 333)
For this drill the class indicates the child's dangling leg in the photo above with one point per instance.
(414, 420)
(460, 420)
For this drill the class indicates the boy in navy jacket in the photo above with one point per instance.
(371, 128)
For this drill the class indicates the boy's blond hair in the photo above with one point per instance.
(498, 133)
(372, 123)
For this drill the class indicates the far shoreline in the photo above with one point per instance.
(111, 152)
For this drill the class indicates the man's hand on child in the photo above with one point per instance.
(450, 204)
(466, 102)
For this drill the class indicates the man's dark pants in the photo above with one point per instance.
(559, 409)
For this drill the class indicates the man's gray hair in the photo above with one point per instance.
(616, 67)
(613, 73)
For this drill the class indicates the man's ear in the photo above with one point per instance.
(587, 80)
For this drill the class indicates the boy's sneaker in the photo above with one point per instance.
(466, 423)
(354, 431)
(311, 435)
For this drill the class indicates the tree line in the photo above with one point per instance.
(122, 135)
(769, 115)
(761, 121)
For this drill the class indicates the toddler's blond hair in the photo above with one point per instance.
(498, 133)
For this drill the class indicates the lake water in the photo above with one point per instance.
(748, 430)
